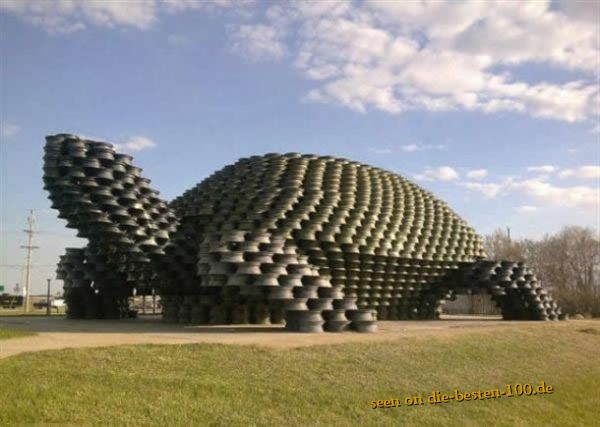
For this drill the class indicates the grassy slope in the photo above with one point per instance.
(233, 385)
(11, 333)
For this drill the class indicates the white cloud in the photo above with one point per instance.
(393, 56)
(135, 143)
(477, 173)
(595, 129)
(586, 11)
(542, 169)
(66, 16)
(411, 148)
(442, 55)
(8, 129)
(258, 42)
(541, 192)
(544, 192)
(443, 173)
(526, 209)
(511, 32)
(177, 6)
(488, 190)
(582, 172)
(408, 148)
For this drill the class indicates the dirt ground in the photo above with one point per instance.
(59, 332)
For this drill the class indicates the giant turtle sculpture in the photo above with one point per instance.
(310, 241)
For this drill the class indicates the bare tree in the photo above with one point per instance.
(568, 263)
(499, 245)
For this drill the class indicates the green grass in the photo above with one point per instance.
(11, 333)
(10, 312)
(320, 385)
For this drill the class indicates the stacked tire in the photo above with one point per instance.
(380, 238)
(512, 285)
(313, 241)
(102, 195)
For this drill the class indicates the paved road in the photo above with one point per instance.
(58, 333)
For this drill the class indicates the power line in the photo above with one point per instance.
(29, 231)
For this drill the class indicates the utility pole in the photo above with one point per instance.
(30, 248)
(153, 301)
(48, 300)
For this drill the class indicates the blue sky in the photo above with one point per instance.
(493, 106)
